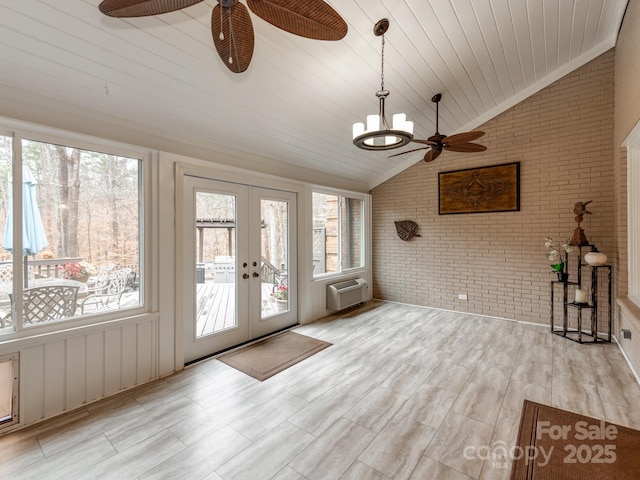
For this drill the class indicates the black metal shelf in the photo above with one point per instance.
(580, 305)
(582, 333)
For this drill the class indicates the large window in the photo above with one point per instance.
(70, 221)
(338, 240)
(633, 213)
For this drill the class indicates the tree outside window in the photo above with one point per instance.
(89, 204)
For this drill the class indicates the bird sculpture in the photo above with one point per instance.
(580, 209)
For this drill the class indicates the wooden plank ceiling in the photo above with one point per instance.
(157, 81)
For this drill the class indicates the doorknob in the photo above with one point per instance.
(245, 276)
(256, 274)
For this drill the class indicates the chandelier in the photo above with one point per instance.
(378, 135)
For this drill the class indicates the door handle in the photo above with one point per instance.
(245, 276)
(256, 274)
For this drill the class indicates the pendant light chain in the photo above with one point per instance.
(382, 65)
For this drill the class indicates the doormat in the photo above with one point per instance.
(554, 444)
(272, 355)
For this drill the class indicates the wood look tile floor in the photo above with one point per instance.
(402, 393)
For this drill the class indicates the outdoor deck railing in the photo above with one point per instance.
(45, 268)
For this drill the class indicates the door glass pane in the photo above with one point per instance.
(216, 263)
(274, 251)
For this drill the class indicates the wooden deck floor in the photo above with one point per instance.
(215, 304)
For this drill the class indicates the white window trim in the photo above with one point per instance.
(19, 131)
(366, 226)
(632, 142)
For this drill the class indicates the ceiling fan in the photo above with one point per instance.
(231, 25)
(459, 142)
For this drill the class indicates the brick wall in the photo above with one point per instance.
(563, 138)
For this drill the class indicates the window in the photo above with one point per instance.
(79, 252)
(633, 212)
(338, 240)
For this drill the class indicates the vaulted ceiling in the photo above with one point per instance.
(158, 82)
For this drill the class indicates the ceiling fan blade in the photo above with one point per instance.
(465, 147)
(425, 142)
(313, 19)
(408, 151)
(464, 137)
(142, 8)
(232, 32)
(431, 155)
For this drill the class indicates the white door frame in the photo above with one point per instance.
(186, 258)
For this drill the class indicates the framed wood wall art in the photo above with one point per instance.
(478, 190)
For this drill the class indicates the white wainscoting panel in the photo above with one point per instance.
(64, 372)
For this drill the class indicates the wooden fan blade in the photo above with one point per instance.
(235, 45)
(313, 19)
(431, 155)
(463, 137)
(425, 142)
(142, 8)
(465, 147)
(408, 151)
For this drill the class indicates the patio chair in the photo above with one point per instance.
(5, 316)
(108, 297)
(98, 283)
(44, 304)
(6, 273)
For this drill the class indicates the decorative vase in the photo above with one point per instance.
(282, 305)
(563, 277)
(595, 258)
(83, 278)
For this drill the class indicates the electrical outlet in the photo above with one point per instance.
(626, 333)
(462, 296)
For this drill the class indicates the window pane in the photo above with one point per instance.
(325, 234)
(351, 233)
(6, 265)
(81, 232)
(337, 233)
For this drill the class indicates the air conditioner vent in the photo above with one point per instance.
(346, 294)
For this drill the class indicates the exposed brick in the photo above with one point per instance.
(563, 138)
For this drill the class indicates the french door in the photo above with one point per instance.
(239, 262)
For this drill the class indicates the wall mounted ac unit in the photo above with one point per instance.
(346, 294)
